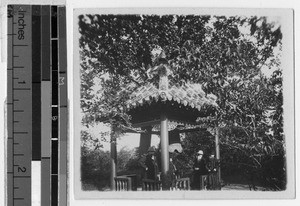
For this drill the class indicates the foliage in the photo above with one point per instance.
(118, 50)
(121, 48)
(95, 168)
(261, 162)
(89, 141)
(200, 140)
(133, 162)
(123, 157)
(224, 54)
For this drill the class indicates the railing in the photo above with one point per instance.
(151, 185)
(213, 182)
(134, 181)
(203, 182)
(123, 183)
(182, 184)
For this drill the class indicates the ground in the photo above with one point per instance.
(240, 187)
(235, 186)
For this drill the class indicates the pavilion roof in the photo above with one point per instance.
(188, 95)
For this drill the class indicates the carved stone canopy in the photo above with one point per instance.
(183, 104)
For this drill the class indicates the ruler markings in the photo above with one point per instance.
(17, 176)
(62, 68)
(21, 45)
(20, 89)
(55, 112)
(13, 194)
(19, 59)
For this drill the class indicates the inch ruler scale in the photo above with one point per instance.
(19, 109)
(36, 106)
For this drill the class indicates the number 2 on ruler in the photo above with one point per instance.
(21, 169)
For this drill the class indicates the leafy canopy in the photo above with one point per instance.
(224, 54)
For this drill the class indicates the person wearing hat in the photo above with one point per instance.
(199, 170)
(212, 166)
(149, 164)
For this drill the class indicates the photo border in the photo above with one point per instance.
(289, 106)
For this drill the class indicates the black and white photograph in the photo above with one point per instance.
(183, 102)
(145, 103)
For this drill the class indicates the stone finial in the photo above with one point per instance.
(160, 59)
(161, 69)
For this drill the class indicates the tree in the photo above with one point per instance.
(224, 54)
(201, 49)
(95, 169)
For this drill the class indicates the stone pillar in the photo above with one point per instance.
(218, 150)
(145, 140)
(113, 158)
(164, 139)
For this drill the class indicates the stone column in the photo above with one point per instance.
(113, 158)
(164, 139)
(218, 150)
(145, 140)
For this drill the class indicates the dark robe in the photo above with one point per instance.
(212, 166)
(201, 164)
(152, 171)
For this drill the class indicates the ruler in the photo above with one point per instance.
(19, 106)
(36, 104)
